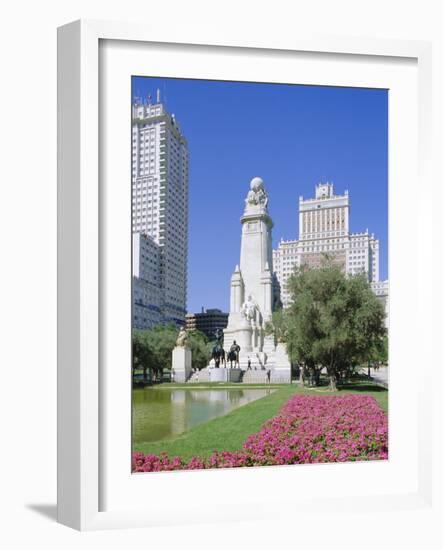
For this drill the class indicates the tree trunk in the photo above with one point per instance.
(332, 381)
(301, 377)
(332, 374)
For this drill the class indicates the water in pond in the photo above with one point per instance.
(158, 413)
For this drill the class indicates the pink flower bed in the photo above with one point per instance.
(308, 429)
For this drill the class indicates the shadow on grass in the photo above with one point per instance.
(362, 388)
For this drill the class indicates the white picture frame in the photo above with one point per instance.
(82, 398)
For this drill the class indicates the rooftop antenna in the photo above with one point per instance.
(158, 95)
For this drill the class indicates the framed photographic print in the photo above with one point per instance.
(232, 275)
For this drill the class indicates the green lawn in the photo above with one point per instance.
(229, 432)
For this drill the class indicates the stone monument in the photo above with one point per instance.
(253, 292)
(181, 358)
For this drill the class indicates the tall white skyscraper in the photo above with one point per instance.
(324, 229)
(147, 296)
(160, 200)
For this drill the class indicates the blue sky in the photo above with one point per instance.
(293, 137)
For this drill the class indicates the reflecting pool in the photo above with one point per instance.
(159, 413)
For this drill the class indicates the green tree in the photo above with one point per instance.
(142, 354)
(382, 351)
(334, 322)
(152, 349)
(161, 339)
(278, 326)
(200, 348)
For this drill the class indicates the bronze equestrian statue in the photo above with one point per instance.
(234, 354)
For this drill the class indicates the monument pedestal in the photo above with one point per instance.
(221, 374)
(224, 374)
(244, 336)
(181, 363)
(218, 375)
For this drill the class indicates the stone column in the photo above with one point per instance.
(236, 291)
(255, 250)
(267, 293)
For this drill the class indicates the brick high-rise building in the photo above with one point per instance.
(324, 229)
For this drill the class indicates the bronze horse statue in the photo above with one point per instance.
(218, 354)
(233, 354)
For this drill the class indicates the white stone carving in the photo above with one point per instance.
(249, 309)
(182, 338)
(257, 195)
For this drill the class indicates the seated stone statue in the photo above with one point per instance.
(249, 309)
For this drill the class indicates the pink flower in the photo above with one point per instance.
(308, 429)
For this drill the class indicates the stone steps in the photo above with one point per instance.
(261, 376)
(254, 376)
(199, 376)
